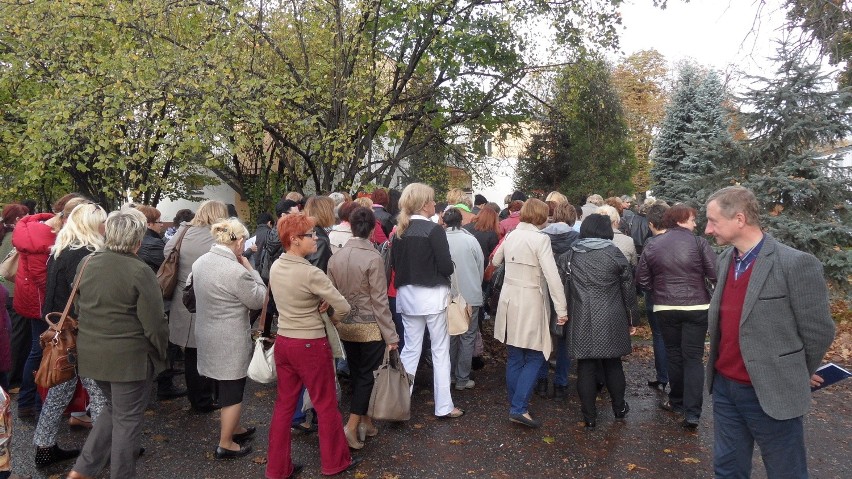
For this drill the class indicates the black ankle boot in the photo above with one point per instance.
(541, 387)
(46, 456)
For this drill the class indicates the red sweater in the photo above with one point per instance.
(730, 361)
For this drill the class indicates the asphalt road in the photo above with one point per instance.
(483, 443)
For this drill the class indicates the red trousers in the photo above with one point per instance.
(308, 362)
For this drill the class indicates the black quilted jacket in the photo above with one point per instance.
(601, 301)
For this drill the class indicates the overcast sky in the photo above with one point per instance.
(728, 35)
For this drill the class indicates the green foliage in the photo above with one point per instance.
(115, 98)
(640, 80)
(829, 24)
(581, 145)
(693, 131)
(792, 119)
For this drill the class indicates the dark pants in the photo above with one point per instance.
(364, 358)
(28, 396)
(21, 341)
(739, 421)
(199, 389)
(587, 384)
(684, 333)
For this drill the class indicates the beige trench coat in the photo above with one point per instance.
(523, 314)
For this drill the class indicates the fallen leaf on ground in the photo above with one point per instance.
(259, 459)
(667, 451)
(456, 441)
(548, 440)
(360, 475)
(690, 460)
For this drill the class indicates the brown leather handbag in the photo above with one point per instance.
(167, 275)
(59, 343)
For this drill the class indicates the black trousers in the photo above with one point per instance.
(684, 333)
(587, 384)
(199, 389)
(21, 342)
(363, 359)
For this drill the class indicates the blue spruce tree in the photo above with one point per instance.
(693, 131)
(792, 120)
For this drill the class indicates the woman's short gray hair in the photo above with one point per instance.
(124, 230)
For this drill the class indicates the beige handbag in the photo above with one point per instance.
(390, 399)
(9, 266)
(458, 312)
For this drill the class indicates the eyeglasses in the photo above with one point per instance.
(312, 234)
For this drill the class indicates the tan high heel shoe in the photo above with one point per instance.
(352, 439)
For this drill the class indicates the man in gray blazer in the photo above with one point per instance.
(770, 327)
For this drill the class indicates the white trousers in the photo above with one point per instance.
(440, 339)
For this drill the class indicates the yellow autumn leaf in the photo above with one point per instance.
(631, 467)
(360, 475)
(690, 460)
(667, 451)
(548, 440)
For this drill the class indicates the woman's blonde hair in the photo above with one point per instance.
(556, 197)
(124, 230)
(227, 232)
(608, 210)
(413, 199)
(81, 230)
(363, 202)
(209, 212)
(321, 208)
(458, 196)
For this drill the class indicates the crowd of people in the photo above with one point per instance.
(337, 282)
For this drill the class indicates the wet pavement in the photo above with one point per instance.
(482, 443)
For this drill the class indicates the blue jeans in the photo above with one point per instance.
(660, 357)
(397, 321)
(563, 364)
(28, 396)
(522, 367)
(739, 422)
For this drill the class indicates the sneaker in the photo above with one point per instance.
(461, 386)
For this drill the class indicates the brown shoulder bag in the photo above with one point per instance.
(167, 275)
(59, 343)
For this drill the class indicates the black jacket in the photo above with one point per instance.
(260, 235)
(384, 218)
(562, 242)
(636, 226)
(151, 251)
(272, 250)
(60, 278)
(487, 239)
(673, 267)
(421, 255)
(601, 301)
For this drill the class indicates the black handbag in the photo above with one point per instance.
(188, 297)
(561, 330)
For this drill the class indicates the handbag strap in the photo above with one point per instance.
(180, 240)
(73, 293)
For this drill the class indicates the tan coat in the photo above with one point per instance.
(523, 314)
(298, 288)
(358, 272)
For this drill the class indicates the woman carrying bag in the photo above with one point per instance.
(226, 287)
(303, 354)
(358, 272)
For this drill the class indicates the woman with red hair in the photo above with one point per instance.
(302, 350)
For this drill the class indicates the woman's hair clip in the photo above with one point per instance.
(233, 237)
